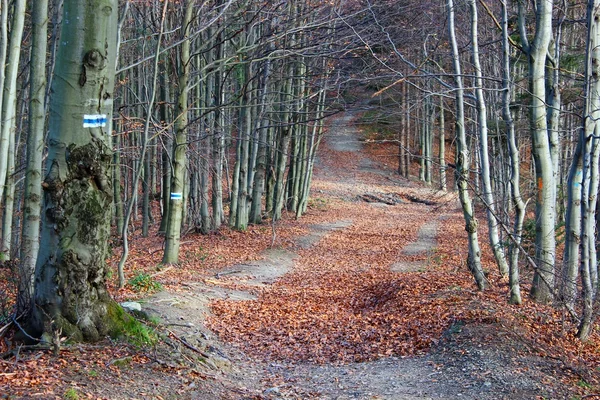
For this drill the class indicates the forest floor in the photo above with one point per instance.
(367, 296)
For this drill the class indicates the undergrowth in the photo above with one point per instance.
(143, 282)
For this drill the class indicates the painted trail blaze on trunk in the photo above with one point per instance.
(70, 297)
(540, 188)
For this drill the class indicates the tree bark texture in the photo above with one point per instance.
(70, 290)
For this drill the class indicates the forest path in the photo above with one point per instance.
(312, 319)
(367, 296)
(338, 188)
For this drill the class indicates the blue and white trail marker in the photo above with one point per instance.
(176, 196)
(94, 121)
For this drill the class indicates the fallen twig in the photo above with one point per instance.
(5, 329)
(189, 346)
(188, 325)
(220, 274)
(161, 272)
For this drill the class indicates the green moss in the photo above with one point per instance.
(123, 325)
(71, 394)
(93, 373)
(123, 362)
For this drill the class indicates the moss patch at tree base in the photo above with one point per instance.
(123, 325)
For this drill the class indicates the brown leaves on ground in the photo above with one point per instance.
(341, 302)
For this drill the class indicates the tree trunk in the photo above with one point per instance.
(442, 147)
(173, 234)
(166, 149)
(9, 101)
(117, 179)
(261, 157)
(35, 144)
(242, 163)
(463, 161)
(70, 291)
(218, 141)
(590, 174)
(542, 288)
(515, 288)
(482, 116)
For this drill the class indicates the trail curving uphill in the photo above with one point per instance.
(369, 309)
(367, 296)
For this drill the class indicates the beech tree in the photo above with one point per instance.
(584, 180)
(70, 295)
(35, 144)
(542, 288)
(8, 105)
(176, 204)
(463, 159)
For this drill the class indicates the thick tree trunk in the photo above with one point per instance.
(3, 52)
(70, 290)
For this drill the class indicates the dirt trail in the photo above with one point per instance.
(456, 368)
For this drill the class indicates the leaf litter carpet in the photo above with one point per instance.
(356, 300)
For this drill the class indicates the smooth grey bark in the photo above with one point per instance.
(404, 164)
(175, 218)
(542, 289)
(8, 201)
(35, 144)
(553, 100)
(204, 152)
(144, 147)
(235, 182)
(482, 117)
(590, 170)
(166, 150)
(442, 146)
(426, 141)
(463, 160)
(573, 232)
(9, 100)
(283, 143)
(297, 137)
(3, 52)
(242, 163)
(515, 189)
(315, 140)
(218, 138)
(261, 158)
